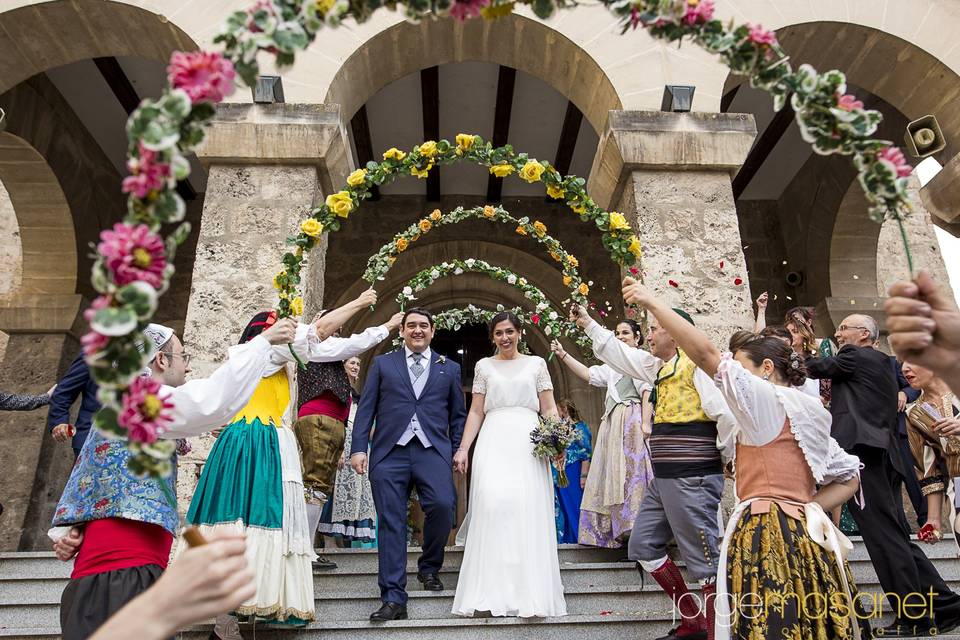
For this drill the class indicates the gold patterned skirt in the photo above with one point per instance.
(783, 585)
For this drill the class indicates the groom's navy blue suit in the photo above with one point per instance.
(389, 398)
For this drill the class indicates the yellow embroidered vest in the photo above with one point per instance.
(269, 402)
(677, 397)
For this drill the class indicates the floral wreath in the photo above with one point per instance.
(134, 262)
(379, 263)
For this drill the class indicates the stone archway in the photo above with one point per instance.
(514, 41)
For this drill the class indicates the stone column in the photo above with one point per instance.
(40, 343)
(670, 173)
(268, 167)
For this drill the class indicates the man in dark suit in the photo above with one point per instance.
(76, 382)
(416, 399)
(864, 409)
(905, 396)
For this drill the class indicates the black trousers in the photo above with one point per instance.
(917, 498)
(88, 602)
(902, 568)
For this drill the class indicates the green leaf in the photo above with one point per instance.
(114, 321)
(139, 297)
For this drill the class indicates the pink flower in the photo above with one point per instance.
(759, 35)
(93, 343)
(893, 158)
(148, 175)
(133, 253)
(144, 414)
(635, 271)
(674, 284)
(100, 302)
(698, 11)
(848, 102)
(535, 318)
(464, 9)
(738, 281)
(204, 75)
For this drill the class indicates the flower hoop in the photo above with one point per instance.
(162, 132)
(379, 264)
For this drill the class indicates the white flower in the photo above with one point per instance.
(528, 294)
(522, 281)
(547, 330)
(552, 315)
(435, 274)
(542, 306)
(470, 262)
(512, 279)
(458, 271)
(408, 291)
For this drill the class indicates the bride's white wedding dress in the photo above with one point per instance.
(510, 563)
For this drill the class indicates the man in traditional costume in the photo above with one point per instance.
(691, 422)
(252, 482)
(120, 526)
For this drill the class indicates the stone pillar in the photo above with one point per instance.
(671, 173)
(40, 343)
(268, 167)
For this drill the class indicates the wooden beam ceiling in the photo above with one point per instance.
(506, 82)
(762, 149)
(568, 139)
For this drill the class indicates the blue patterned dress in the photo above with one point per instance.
(566, 500)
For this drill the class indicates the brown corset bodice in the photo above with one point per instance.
(777, 472)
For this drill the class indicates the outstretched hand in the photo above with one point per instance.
(367, 299)
(579, 316)
(636, 293)
(924, 326)
(395, 321)
(558, 349)
(282, 332)
(461, 461)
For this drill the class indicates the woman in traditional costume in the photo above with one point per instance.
(252, 482)
(780, 548)
(620, 469)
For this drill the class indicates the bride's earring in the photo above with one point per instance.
(766, 376)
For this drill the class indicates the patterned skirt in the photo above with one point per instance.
(605, 522)
(784, 586)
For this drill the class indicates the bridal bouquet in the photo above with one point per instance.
(550, 441)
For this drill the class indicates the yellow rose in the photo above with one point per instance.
(465, 142)
(521, 231)
(391, 259)
(394, 154)
(579, 208)
(532, 171)
(311, 227)
(555, 256)
(324, 5)
(555, 191)
(340, 203)
(634, 247)
(618, 222)
(296, 306)
(435, 215)
(501, 170)
(425, 225)
(522, 282)
(567, 280)
(277, 278)
(492, 12)
(489, 211)
(583, 289)
(540, 228)
(415, 237)
(421, 173)
(572, 261)
(357, 178)
(402, 244)
(429, 148)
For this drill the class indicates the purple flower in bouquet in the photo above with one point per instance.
(144, 414)
(133, 252)
(550, 439)
(204, 75)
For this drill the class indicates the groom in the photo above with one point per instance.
(415, 397)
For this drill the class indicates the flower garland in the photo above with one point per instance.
(618, 237)
(135, 262)
(379, 263)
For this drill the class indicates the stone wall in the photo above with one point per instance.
(11, 253)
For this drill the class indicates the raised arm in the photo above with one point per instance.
(761, 322)
(578, 369)
(22, 402)
(331, 322)
(694, 342)
(627, 361)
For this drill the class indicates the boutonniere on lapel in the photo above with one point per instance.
(441, 360)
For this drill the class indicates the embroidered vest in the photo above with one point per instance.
(677, 397)
(627, 392)
(101, 485)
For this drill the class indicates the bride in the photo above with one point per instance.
(510, 563)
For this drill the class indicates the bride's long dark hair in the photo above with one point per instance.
(504, 316)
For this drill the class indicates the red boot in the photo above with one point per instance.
(693, 625)
(709, 592)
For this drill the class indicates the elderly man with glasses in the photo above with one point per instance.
(864, 409)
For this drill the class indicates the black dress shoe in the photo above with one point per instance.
(430, 581)
(323, 564)
(389, 611)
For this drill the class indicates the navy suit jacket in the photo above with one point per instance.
(389, 399)
(77, 381)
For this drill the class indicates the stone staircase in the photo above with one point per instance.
(604, 596)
